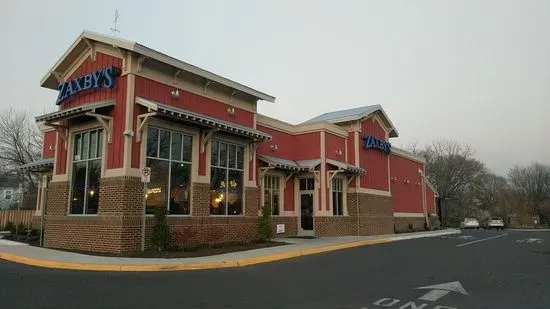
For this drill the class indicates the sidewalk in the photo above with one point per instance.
(298, 247)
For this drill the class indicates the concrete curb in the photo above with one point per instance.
(529, 230)
(209, 265)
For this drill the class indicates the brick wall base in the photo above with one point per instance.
(414, 224)
(291, 225)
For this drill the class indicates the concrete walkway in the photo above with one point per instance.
(50, 258)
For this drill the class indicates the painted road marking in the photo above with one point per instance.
(440, 290)
(437, 291)
(480, 240)
(530, 241)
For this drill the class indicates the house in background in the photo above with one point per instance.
(9, 191)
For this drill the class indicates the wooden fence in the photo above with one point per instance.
(16, 216)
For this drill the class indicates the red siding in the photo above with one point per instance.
(333, 144)
(290, 147)
(115, 150)
(289, 195)
(307, 146)
(430, 200)
(48, 146)
(115, 154)
(375, 161)
(160, 92)
(95, 95)
(371, 127)
(407, 197)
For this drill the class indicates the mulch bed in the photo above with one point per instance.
(186, 252)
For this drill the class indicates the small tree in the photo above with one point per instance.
(264, 226)
(160, 239)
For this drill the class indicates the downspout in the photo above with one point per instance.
(357, 208)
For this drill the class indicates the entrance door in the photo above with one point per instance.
(307, 189)
(306, 205)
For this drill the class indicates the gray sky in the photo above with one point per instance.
(476, 71)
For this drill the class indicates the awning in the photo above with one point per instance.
(74, 112)
(346, 167)
(290, 165)
(202, 120)
(41, 165)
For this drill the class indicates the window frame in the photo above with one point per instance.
(280, 189)
(342, 191)
(71, 162)
(6, 193)
(183, 132)
(210, 166)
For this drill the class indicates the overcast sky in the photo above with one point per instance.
(476, 71)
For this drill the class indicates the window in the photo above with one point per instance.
(307, 184)
(169, 157)
(87, 156)
(337, 197)
(226, 174)
(8, 194)
(272, 193)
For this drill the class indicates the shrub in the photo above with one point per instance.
(21, 229)
(10, 226)
(264, 226)
(160, 239)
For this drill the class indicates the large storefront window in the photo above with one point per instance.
(169, 157)
(226, 184)
(272, 193)
(338, 197)
(87, 155)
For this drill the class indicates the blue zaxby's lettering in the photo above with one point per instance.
(104, 78)
(373, 142)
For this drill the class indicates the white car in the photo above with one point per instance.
(469, 223)
(494, 223)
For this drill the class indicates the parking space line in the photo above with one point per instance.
(479, 240)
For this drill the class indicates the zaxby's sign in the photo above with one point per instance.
(104, 78)
(373, 142)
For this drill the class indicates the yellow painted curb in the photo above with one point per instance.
(196, 266)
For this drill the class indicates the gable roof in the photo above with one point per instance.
(82, 43)
(356, 114)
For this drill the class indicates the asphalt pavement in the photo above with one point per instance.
(477, 269)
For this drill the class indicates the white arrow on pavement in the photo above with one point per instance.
(440, 290)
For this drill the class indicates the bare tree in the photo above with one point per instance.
(20, 143)
(532, 184)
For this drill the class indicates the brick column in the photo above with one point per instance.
(200, 199)
(58, 198)
(252, 201)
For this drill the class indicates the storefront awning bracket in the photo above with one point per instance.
(105, 121)
(351, 178)
(264, 170)
(331, 175)
(252, 149)
(288, 176)
(205, 137)
(317, 176)
(141, 122)
(61, 131)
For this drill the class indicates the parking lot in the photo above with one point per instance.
(475, 269)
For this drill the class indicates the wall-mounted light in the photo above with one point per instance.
(231, 111)
(405, 181)
(274, 147)
(175, 93)
(52, 147)
(338, 152)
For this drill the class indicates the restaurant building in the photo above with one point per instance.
(214, 160)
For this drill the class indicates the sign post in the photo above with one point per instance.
(145, 178)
